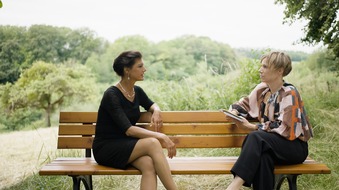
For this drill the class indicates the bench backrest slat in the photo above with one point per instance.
(67, 129)
(78, 117)
(193, 129)
(167, 117)
(199, 129)
(72, 142)
(169, 129)
(75, 142)
(192, 117)
(208, 141)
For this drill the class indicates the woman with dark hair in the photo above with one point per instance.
(283, 130)
(118, 142)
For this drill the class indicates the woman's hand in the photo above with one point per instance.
(156, 120)
(169, 144)
(244, 124)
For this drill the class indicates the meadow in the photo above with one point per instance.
(26, 151)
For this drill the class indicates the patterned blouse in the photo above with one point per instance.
(282, 112)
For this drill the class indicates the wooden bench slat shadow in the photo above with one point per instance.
(187, 129)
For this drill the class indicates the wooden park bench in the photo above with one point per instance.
(188, 129)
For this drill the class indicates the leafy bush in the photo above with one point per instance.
(204, 91)
(20, 118)
(319, 89)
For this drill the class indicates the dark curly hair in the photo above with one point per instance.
(125, 59)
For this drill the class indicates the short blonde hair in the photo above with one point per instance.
(278, 60)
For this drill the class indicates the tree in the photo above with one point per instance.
(21, 46)
(203, 49)
(20, 117)
(82, 43)
(323, 21)
(59, 44)
(171, 63)
(12, 53)
(48, 86)
(101, 64)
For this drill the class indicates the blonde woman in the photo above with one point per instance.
(283, 130)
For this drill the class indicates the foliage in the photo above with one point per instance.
(19, 119)
(320, 62)
(296, 56)
(167, 60)
(46, 182)
(101, 64)
(203, 49)
(248, 78)
(21, 46)
(323, 22)
(205, 91)
(320, 94)
(12, 53)
(47, 87)
(319, 89)
(171, 63)
(323, 111)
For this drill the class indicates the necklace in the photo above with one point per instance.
(130, 96)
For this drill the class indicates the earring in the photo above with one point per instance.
(128, 77)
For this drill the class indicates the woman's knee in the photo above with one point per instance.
(253, 136)
(145, 147)
(145, 164)
(152, 143)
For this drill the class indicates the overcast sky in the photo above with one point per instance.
(239, 23)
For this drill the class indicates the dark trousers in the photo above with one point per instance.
(260, 152)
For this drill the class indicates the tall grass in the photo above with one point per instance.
(206, 92)
(320, 94)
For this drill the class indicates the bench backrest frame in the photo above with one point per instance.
(188, 129)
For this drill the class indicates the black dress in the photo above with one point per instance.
(111, 146)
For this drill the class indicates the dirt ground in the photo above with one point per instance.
(22, 153)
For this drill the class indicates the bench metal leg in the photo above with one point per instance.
(85, 179)
(291, 179)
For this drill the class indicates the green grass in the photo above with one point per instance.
(205, 92)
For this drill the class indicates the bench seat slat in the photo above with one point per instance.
(178, 165)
